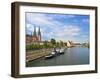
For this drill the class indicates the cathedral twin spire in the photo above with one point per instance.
(37, 34)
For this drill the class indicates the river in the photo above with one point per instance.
(72, 56)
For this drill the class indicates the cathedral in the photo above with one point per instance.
(34, 37)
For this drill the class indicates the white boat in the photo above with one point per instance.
(61, 51)
(53, 52)
(51, 55)
(58, 50)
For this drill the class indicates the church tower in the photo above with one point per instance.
(34, 36)
(39, 34)
(34, 33)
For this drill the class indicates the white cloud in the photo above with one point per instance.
(41, 20)
(85, 20)
(84, 36)
(70, 16)
(68, 31)
(52, 28)
(29, 27)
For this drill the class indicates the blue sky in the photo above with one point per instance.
(59, 26)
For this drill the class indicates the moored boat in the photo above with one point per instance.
(55, 52)
(61, 51)
(58, 51)
(51, 55)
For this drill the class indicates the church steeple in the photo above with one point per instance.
(34, 33)
(39, 34)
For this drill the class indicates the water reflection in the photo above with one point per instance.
(72, 56)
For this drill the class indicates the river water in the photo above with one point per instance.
(72, 56)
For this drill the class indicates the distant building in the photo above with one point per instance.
(28, 38)
(34, 37)
(70, 44)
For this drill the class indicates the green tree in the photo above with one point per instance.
(53, 41)
(29, 47)
(45, 44)
(61, 43)
(57, 44)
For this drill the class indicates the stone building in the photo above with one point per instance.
(35, 37)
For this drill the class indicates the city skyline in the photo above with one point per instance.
(59, 26)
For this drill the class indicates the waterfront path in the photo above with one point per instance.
(35, 54)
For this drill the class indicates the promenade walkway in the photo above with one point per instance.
(35, 54)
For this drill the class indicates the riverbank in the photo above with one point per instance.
(71, 56)
(35, 54)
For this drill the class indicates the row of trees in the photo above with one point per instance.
(57, 44)
(86, 45)
(46, 44)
